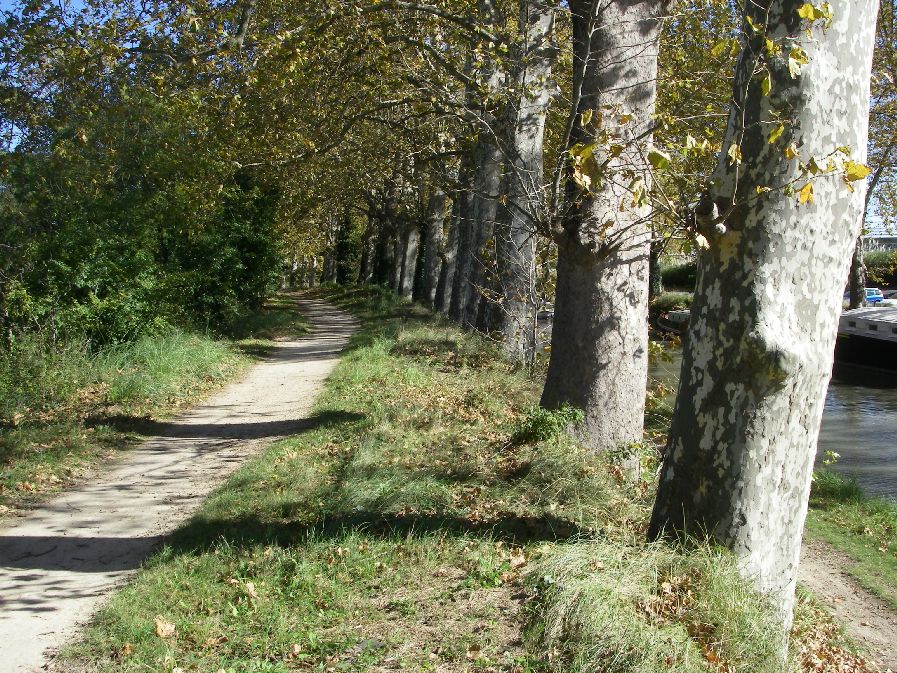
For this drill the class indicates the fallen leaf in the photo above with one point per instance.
(518, 560)
(250, 589)
(164, 628)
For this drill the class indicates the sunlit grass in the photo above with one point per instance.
(429, 519)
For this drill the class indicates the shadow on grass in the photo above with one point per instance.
(255, 430)
(200, 535)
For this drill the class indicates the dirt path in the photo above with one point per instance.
(865, 618)
(58, 563)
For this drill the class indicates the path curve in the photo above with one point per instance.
(60, 561)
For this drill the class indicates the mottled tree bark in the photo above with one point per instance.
(758, 356)
(436, 211)
(410, 243)
(368, 241)
(655, 277)
(383, 255)
(484, 206)
(397, 241)
(464, 257)
(599, 356)
(448, 255)
(522, 184)
(856, 283)
(311, 272)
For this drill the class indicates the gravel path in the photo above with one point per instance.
(60, 561)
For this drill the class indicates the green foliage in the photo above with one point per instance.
(540, 425)
(881, 268)
(681, 276)
(671, 301)
(38, 374)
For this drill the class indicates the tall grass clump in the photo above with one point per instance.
(651, 608)
(170, 367)
(38, 374)
(64, 405)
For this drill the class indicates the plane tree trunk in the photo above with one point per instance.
(856, 281)
(522, 184)
(758, 356)
(484, 206)
(448, 254)
(599, 345)
(410, 245)
(433, 244)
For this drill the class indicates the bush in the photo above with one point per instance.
(681, 276)
(42, 379)
(540, 425)
(668, 301)
(881, 268)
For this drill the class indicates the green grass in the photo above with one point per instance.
(413, 526)
(641, 608)
(64, 408)
(863, 528)
(279, 319)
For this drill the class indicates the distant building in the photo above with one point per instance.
(880, 242)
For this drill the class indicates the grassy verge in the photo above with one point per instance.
(63, 407)
(862, 528)
(430, 519)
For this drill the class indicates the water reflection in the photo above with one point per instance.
(859, 423)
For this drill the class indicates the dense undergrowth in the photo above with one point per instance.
(430, 519)
(65, 405)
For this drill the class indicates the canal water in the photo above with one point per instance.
(859, 423)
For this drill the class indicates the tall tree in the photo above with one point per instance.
(779, 219)
(599, 346)
(522, 191)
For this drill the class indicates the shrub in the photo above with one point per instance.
(881, 268)
(681, 276)
(540, 425)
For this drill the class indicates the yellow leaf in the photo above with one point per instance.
(805, 195)
(854, 171)
(776, 133)
(734, 153)
(791, 152)
(809, 12)
(658, 159)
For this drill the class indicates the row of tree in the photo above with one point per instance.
(484, 157)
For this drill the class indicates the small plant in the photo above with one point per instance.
(540, 424)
